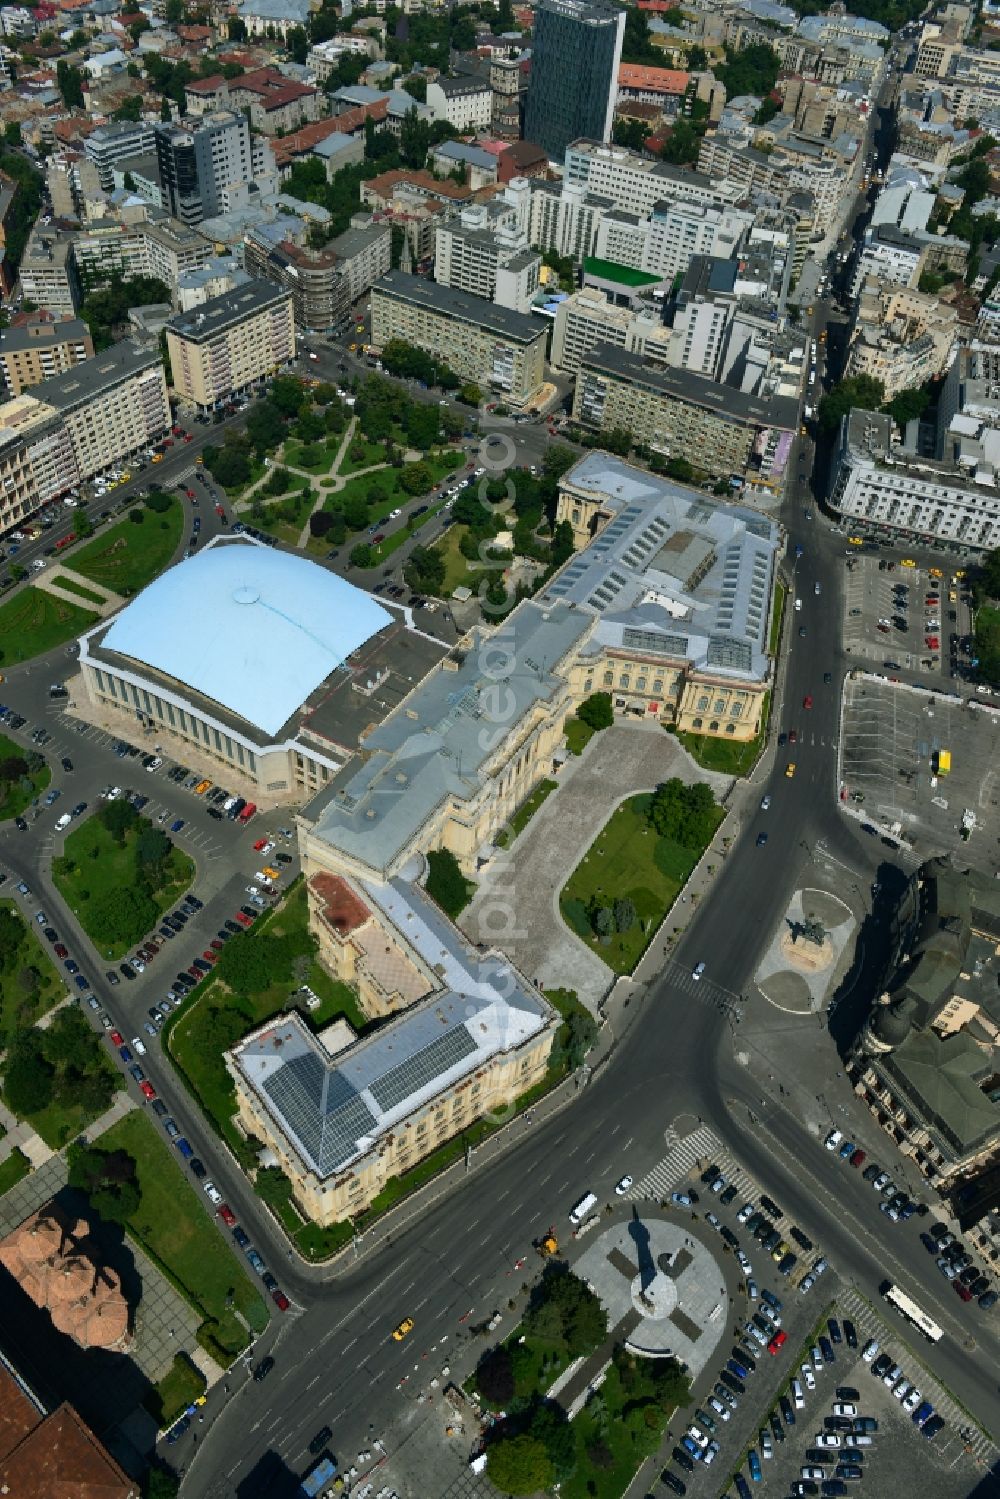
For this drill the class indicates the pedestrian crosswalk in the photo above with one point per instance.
(960, 1431)
(681, 979)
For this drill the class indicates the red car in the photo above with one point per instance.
(216, 944)
(189, 437)
(176, 430)
(963, 1291)
(259, 845)
(147, 1090)
(220, 512)
(858, 1158)
(778, 1341)
(227, 1215)
(793, 736)
(807, 702)
(932, 641)
(60, 950)
(242, 919)
(116, 1038)
(189, 493)
(280, 1299)
(210, 956)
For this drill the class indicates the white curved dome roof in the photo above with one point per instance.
(253, 628)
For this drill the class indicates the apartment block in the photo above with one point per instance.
(40, 347)
(231, 343)
(199, 160)
(76, 424)
(323, 283)
(484, 252)
(465, 102)
(164, 248)
(637, 184)
(587, 318)
(47, 273)
(481, 342)
(901, 337)
(680, 414)
(115, 142)
(880, 493)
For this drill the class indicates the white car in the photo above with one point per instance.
(766, 1445)
(745, 1212)
(697, 1435)
(901, 1389)
(138, 1047)
(212, 1193)
(912, 1400)
(833, 1139)
(260, 876)
(827, 1439)
(753, 1291)
(710, 1453)
(806, 1283)
(809, 1376)
(744, 1260)
(138, 965)
(798, 1399)
(870, 1351)
(252, 890)
(844, 1408)
(622, 1187)
(697, 971)
(715, 1405)
(765, 802)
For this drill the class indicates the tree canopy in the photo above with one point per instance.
(857, 390)
(687, 814)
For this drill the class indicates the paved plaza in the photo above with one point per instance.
(517, 903)
(797, 974)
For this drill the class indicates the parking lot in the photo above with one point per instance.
(893, 1456)
(892, 738)
(903, 619)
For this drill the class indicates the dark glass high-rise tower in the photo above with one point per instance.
(575, 52)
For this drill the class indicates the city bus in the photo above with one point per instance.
(908, 1308)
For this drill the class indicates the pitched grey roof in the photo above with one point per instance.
(439, 739)
(674, 573)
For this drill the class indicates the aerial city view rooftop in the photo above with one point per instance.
(499, 700)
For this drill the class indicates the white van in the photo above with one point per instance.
(63, 822)
(584, 1206)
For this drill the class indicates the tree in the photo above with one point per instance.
(69, 82)
(82, 524)
(563, 545)
(161, 1482)
(286, 392)
(414, 139)
(173, 12)
(122, 914)
(131, 109)
(685, 814)
(265, 426)
(603, 921)
(12, 934)
(416, 478)
(152, 847)
(519, 1465)
(495, 1376)
(596, 711)
(12, 768)
(857, 390)
(12, 133)
(297, 43)
(682, 145)
(245, 964)
(907, 406)
(29, 1081)
(158, 502)
(424, 570)
(446, 883)
(625, 915)
(320, 522)
(752, 70)
(363, 555)
(630, 133)
(118, 817)
(237, 29)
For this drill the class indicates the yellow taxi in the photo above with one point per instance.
(790, 769)
(405, 1327)
(158, 458)
(802, 432)
(934, 572)
(201, 788)
(907, 562)
(199, 459)
(957, 577)
(125, 478)
(352, 348)
(822, 337)
(856, 541)
(272, 874)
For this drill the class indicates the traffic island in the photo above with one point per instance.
(806, 956)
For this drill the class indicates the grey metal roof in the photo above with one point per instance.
(724, 401)
(438, 741)
(228, 309)
(447, 301)
(674, 573)
(84, 381)
(333, 1109)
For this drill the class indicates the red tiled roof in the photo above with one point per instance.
(663, 80)
(55, 1456)
(205, 85)
(384, 184)
(298, 142)
(342, 908)
(273, 88)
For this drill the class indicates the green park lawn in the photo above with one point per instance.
(459, 572)
(101, 866)
(724, 755)
(578, 735)
(75, 587)
(179, 1388)
(13, 1170)
(192, 1035)
(291, 455)
(627, 859)
(16, 795)
(34, 622)
(132, 553)
(173, 1224)
(369, 453)
(19, 1006)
